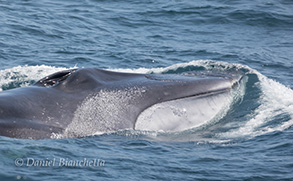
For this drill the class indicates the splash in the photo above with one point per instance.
(22, 76)
(276, 100)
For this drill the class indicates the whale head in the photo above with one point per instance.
(81, 102)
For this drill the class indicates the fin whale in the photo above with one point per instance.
(80, 102)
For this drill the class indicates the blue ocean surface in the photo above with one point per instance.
(251, 140)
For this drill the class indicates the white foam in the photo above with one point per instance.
(276, 99)
(207, 64)
(23, 74)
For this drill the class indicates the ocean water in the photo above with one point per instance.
(251, 140)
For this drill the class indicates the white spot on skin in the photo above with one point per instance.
(106, 111)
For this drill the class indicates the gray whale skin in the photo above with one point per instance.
(111, 100)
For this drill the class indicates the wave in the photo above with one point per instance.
(264, 15)
(22, 76)
(265, 106)
(260, 18)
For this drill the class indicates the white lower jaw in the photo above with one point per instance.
(187, 113)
